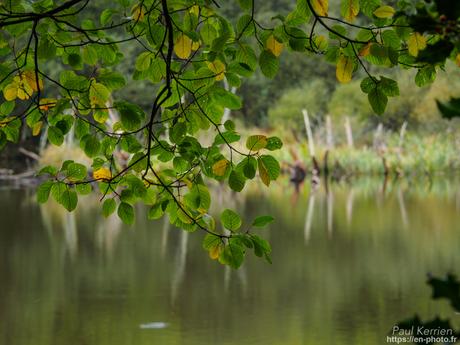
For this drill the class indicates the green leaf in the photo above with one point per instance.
(131, 115)
(261, 247)
(91, 145)
(425, 76)
(43, 191)
(126, 213)
(68, 199)
(269, 169)
(248, 166)
(261, 221)
(108, 207)
(83, 188)
(274, 143)
(178, 132)
(230, 220)
(226, 99)
(210, 241)
(368, 84)
(99, 94)
(198, 198)
(143, 61)
(389, 87)
(155, 212)
(236, 181)
(256, 142)
(106, 16)
(76, 171)
(55, 136)
(378, 100)
(233, 255)
(269, 64)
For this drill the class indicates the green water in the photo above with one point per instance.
(347, 264)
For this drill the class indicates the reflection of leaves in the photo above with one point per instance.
(442, 288)
(449, 109)
(436, 324)
(436, 53)
(446, 288)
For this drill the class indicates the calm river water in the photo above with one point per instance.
(347, 264)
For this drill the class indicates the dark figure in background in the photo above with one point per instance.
(298, 174)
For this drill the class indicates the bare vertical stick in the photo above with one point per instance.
(377, 136)
(401, 135)
(311, 144)
(348, 132)
(329, 135)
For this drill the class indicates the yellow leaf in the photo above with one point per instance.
(138, 12)
(47, 103)
(219, 168)
(274, 46)
(384, 12)
(263, 173)
(344, 69)
(195, 46)
(184, 217)
(24, 91)
(30, 78)
(10, 92)
(102, 174)
(37, 128)
(183, 47)
(351, 9)
(416, 43)
(214, 253)
(364, 51)
(321, 43)
(320, 7)
(218, 68)
(195, 9)
(457, 60)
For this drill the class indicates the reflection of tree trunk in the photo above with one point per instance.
(71, 236)
(330, 212)
(309, 217)
(329, 135)
(165, 235)
(107, 234)
(181, 259)
(243, 277)
(350, 200)
(402, 208)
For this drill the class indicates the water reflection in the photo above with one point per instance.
(349, 260)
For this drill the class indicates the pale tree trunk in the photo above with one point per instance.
(227, 111)
(348, 132)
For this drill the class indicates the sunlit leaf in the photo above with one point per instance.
(274, 45)
(321, 7)
(219, 168)
(350, 9)
(183, 46)
(344, 69)
(384, 12)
